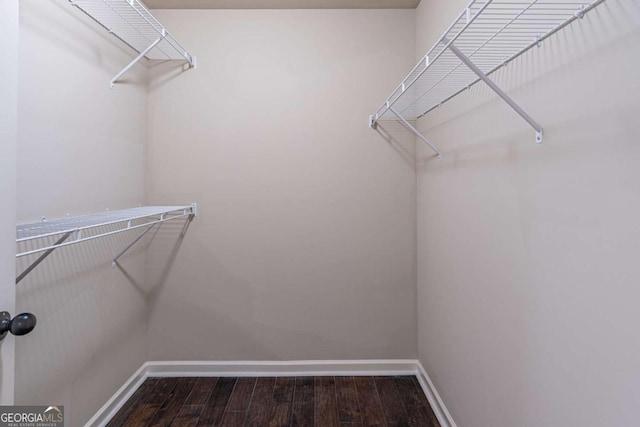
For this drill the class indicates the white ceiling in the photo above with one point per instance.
(281, 4)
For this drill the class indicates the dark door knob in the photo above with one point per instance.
(22, 324)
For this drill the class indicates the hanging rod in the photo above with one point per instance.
(485, 36)
(132, 23)
(32, 238)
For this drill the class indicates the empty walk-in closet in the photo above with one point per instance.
(309, 212)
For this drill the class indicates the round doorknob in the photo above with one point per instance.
(22, 324)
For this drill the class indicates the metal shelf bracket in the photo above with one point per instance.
(137, 58)
(409, 126)
(42, 257)
(115, 259)
(506, 98)
(193, 212)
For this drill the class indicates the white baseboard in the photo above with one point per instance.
(113, 405)
(276, 368)
(272, 368)
(436, 402)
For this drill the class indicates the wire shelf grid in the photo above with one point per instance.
(131, 22)
(37, 237)
(488, 32)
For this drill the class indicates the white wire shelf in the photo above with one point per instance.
(133, 24)
(47, 235)
(123, 220)
(487, 35)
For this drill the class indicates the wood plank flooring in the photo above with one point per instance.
(281, 401)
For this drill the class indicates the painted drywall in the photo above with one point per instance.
(80, 150)
(282, 4)
(527, 254)
(8, 137)
(304, 247)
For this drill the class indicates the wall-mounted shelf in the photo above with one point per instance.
(47, 235)
(484, 37)
(131, 22)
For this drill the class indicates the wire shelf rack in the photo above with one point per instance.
(133, 24)
(47, 235)
(487, 35)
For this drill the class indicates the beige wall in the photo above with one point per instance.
(8, 136)
(305, 243)
(304, 247)
(80, 150)
(281, 4)
(527, 254)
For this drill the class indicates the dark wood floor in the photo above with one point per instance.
(282, 401)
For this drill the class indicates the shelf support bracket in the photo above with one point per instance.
(138, 58)
(415, 131)
(497, 90)
(41, 258)
(115, 259)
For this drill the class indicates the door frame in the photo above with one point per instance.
(9, 45)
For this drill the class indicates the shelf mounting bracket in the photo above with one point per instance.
(41, 258)
(415, 131)
(138, 58)
(137, 239)
(193, 213)
(496, 89)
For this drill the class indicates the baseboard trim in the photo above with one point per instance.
(272, 368)
(436, 402)
(280, 368)
(113, 405)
